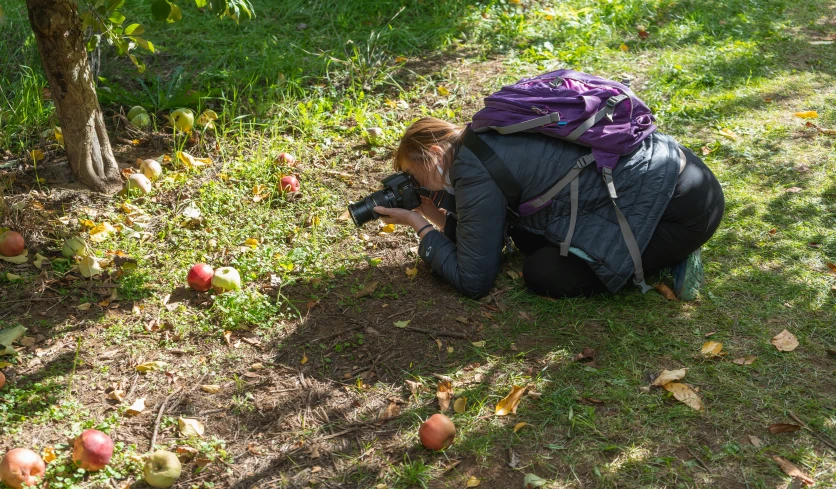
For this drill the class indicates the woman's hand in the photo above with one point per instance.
(434, 214)
(396, 215)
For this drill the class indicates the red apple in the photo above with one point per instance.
(11, 243)
(437, 433)
(2, 380)
(21, 466)
(200, 277)
(92, 450)
(289, 184)
(286, 158)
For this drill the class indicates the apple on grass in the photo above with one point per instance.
(286, 158)
(183, 119)
(200, 277)
(21, 466)
(138, 181)
(2, 380)
(151, 169)
(92, 450)
(289, 183)
(11, 243)
(437, 433)
(162, 469)
(135, 111)
(226, 278)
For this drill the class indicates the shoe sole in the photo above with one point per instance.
(694, 277)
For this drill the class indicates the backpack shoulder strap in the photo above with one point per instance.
(495, 166)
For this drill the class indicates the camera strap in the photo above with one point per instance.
(441, 198)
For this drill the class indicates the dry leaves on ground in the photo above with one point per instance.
(785, 341)
(669, 376)
(712, 349)
(510, 403)
(460, 405)
(367, 290)
(747, 360)
(791, 470)
(190, 427)
(778, 428)
(685, 394)
(665, 291)
(444, 393)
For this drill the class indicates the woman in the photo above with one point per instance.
(671, 200)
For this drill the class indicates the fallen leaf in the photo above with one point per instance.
(624, 48)
(444, 393)
(101, 232)
(712, 349)
(525, 315)
(9, 336)
(256, 366)
(137, 407)
(534, 394)
(11, 277)
(513, 459)
(389, 228)
(206, 118)
(17, 260)
(48, 454)
(210, 388)
(778, 428)
(519, 426)
(459, 405)
(785, 341)
(117, 395)
(39, 260)
(150, 366)
(391, 411)
(793, 471)
(304, 359)
(665, 291)
(251, 242)
(367, 290)
(402, 324)
(462, 319)
(450, 349)
(669, 376)
(414, 387)
(755, 441)
(190, 161)
(190, 427)
(531, 481)
(439, 343)
(510, 403)
(729, 134)
(473, 482)
(685, 394)
(809, 114)
(747, 360)
(706, 150)
(514, 275)
(478, 344)
(89, 266)
(411, 272)
(442, 90)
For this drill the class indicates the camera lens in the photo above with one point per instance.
(362, 211)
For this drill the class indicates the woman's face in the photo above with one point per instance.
(429, 178)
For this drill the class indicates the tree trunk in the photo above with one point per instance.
(58, 31)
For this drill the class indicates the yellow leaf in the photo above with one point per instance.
(747, 360)
(729, 134)
(206, 118)
(137, 407)
(624, 48)
(712, 349)
(39, 260)
(190, 427)
(519, 426)
(5, 364)
(785, 341)
(89, 266)
(36, 154)
(48, 454)
(85, 306)
(304, 359)
(400, 59)
(59, 136)
(210, 389)
(685, 394)
(252, 243)
(459, 405)
(387, 228)
(438, 342)
(11, 277)
(190, 161)
(473, 482)
(509, 404)
(444, 393)
(809, 114)
(669, 376)
(450, 349)
(478, 344)
(442, 90)
(87, 223)
(411, 272)
(150, 366)
(101, 232)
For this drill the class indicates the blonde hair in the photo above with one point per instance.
(421, 136)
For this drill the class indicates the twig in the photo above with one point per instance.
(449, 334)
(699, 460)
(815, 434)
(194, 387)
(160, 416)
(400, 312)
(328, 337)
(356, 372)
(133, 386)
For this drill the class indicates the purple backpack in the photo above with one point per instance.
(570, 105)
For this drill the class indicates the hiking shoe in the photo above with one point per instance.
(688, 277)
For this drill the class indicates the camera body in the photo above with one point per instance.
(399, 190)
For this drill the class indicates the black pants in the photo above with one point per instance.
(691, 218)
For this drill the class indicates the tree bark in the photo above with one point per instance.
(58, 31)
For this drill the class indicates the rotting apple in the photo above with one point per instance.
(151, 169)
(162, 469)
(437, 433)
(285, 158)
(289, 183)
(21, 466)
(2, 380)
(200, 277)
(138, 181)
(11, 243)
(225, 279)
(92, 450)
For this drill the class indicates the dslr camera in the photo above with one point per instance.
(399, 190)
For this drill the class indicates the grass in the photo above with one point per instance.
(308, 78)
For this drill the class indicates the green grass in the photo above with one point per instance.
(744, 66)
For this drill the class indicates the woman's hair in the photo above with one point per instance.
(423, 134)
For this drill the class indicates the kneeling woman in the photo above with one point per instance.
(671, 200)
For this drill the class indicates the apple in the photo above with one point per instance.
(92, 450)
(437, 433)
(2, 380)
(151, 169)
(74, 246)
(286, 158)
(138, 181)
(135, 111)
(21, 466)
(162, 469)
(200, 277)
(11, 243)
(289, 183)
(183, 119)
(374, 135)
(226, 278)
(141, 120)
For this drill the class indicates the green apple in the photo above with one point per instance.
(135, 111)
(226, 278)
(162, 469)
(138, 181)
(74, 246)
(183, 119)
(141, 120)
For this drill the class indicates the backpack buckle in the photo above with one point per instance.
(616, 99)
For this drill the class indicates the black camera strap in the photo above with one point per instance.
(495, 166)
(441, 198)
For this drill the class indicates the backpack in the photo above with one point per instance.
(591, 111)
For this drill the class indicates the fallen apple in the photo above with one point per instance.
(437, 433)
(200, 277)
(2, 380)
(374, 135)
(138, 181)
(11, 243)
(21, 466)
(183, 119)
(289, 183)
(141, 120)
(92, 450)
(74, 246)
(285, 158)
(151, 169)
(162, 469)
(135, 111)
(225, 279)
